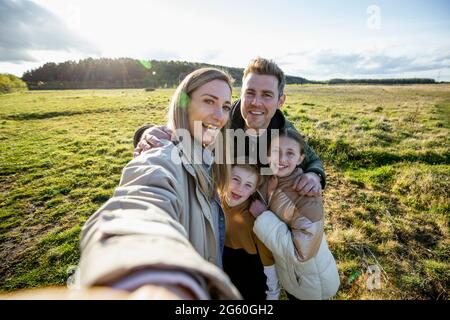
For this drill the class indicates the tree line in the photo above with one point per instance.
(382, 81)
(120, 73)
(132, 73)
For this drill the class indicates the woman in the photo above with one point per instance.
(161, 226)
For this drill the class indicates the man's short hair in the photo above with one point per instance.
(266, 67)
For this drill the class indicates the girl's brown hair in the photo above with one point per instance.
(291, 134)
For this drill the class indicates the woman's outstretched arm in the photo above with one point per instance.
(139, 229)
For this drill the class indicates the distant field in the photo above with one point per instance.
(386, 151)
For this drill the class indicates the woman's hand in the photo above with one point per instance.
(256, 208)
(151, 138)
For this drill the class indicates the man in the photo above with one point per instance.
(256, 112)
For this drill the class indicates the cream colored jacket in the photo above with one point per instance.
(313, 279)
(293, 231)
(157, 219)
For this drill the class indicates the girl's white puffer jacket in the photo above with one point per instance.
(314, 279)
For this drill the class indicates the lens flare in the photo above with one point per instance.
(146, 63)
(184, 100)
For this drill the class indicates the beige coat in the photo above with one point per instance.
(157, 218)
(303, 215)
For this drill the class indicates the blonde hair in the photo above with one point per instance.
(178, 119)
(266, 67)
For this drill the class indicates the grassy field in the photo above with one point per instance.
(386, 152)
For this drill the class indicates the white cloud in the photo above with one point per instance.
(26, 26)
(331, 63)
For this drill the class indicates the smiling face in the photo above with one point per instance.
(285, 155)
(242, 185)
(259, 100)
(209, 110)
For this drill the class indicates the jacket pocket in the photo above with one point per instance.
(293, 278)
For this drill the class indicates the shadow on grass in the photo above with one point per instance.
(42, 115)
(54, 114)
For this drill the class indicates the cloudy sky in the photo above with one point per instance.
(316, 40)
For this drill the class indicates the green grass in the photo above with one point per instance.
(385, 149)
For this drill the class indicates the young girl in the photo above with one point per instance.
(246, 260)
(293, 228)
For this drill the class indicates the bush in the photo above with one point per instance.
(10, 83)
